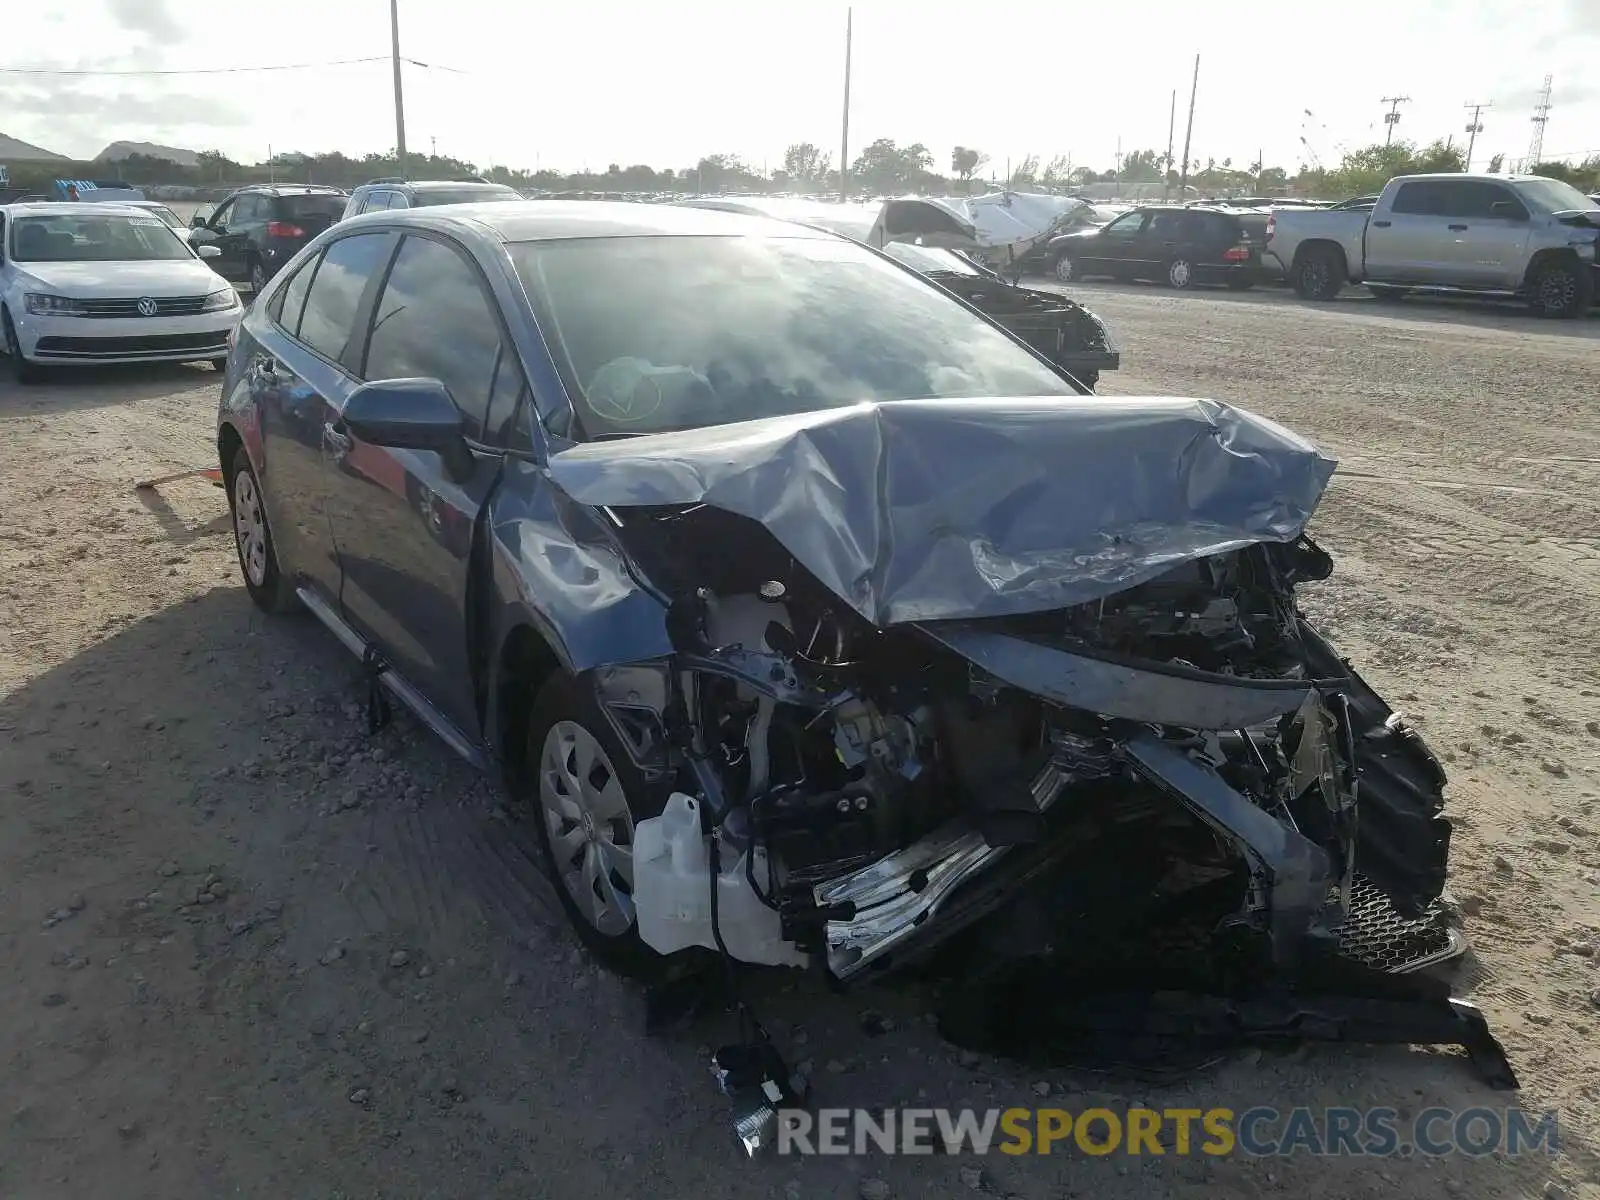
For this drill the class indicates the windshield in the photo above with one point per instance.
(919, 258)
(466, 195)
(1552, 195)
(165, 213)
(91, 238)
(659, 333)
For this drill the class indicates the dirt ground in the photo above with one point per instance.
(245, 950)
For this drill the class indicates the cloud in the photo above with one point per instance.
(81, 120)
(151, 18)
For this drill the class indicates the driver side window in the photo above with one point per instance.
(224, 214)
(1126, 226)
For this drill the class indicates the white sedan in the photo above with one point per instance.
(88, 284)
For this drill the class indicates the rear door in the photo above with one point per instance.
(404, 520)
(299, 373)
(1408, 241)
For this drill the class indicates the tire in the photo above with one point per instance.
(1561, 290)
(1318, 274)
(252, 540)
(1065, 270)
(219, 364)
(258, 277)
(1180, 273)
(564, 727)
(23, 371)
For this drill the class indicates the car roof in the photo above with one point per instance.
(559, 220)
(79, 208)
(289, 189)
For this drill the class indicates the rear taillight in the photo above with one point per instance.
(284, 229)
(1236, 254)
(1272, 225)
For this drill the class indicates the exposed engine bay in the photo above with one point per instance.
(865, 794)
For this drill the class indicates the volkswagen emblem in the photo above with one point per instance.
(147, 307)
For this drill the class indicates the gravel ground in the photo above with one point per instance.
(247, 950)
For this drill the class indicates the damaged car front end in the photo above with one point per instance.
(883, 692)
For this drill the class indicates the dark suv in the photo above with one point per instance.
(1181, 245)
(260, 228)
(382, 194)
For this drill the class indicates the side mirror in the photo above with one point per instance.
(209, 251)
(405, 414)
(197, 221)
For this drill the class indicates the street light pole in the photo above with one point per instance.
(844, 134)
(399, 96)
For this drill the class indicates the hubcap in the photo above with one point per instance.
(590, 828)
(1179, 274)
(250, 527)
(1064, 270)
(1312, 274)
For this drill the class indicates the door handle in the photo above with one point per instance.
(1458, 229)
(1383, 224)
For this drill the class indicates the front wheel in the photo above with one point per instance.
(1562, 290)
(258, 557)
(1066, 270)
(258, 277)
(587, 799)
(1180, 273)
(23, 371)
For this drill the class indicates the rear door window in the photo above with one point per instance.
(293, 207)
(435, 320)
(348, 266)
(286, 306)
(1425, 198)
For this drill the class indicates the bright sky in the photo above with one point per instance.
(571, 84)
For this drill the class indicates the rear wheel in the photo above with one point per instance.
(1319, 274)
(1180, 273)
(1562, 289)
(258, 557)
(22, 370)
(587, 799)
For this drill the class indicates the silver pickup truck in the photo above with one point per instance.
(1491, 235)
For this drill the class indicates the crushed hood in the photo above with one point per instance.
(994, 222)
(938, 509)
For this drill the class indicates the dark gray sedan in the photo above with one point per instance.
(815, 617)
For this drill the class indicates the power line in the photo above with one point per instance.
(311, 66)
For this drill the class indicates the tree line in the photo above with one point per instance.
(882, 167)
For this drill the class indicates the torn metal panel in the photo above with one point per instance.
(1191, 699)
(1301, 876)
(956, 509)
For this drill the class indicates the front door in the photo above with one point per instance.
(405, 521)
(1117, 248)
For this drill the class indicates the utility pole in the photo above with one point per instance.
(844, 134)
(399, 97)
(1172, 121)
(1188, 131)
(1392, 117)
(1474, 128)
(272, 165)
(433, 147)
